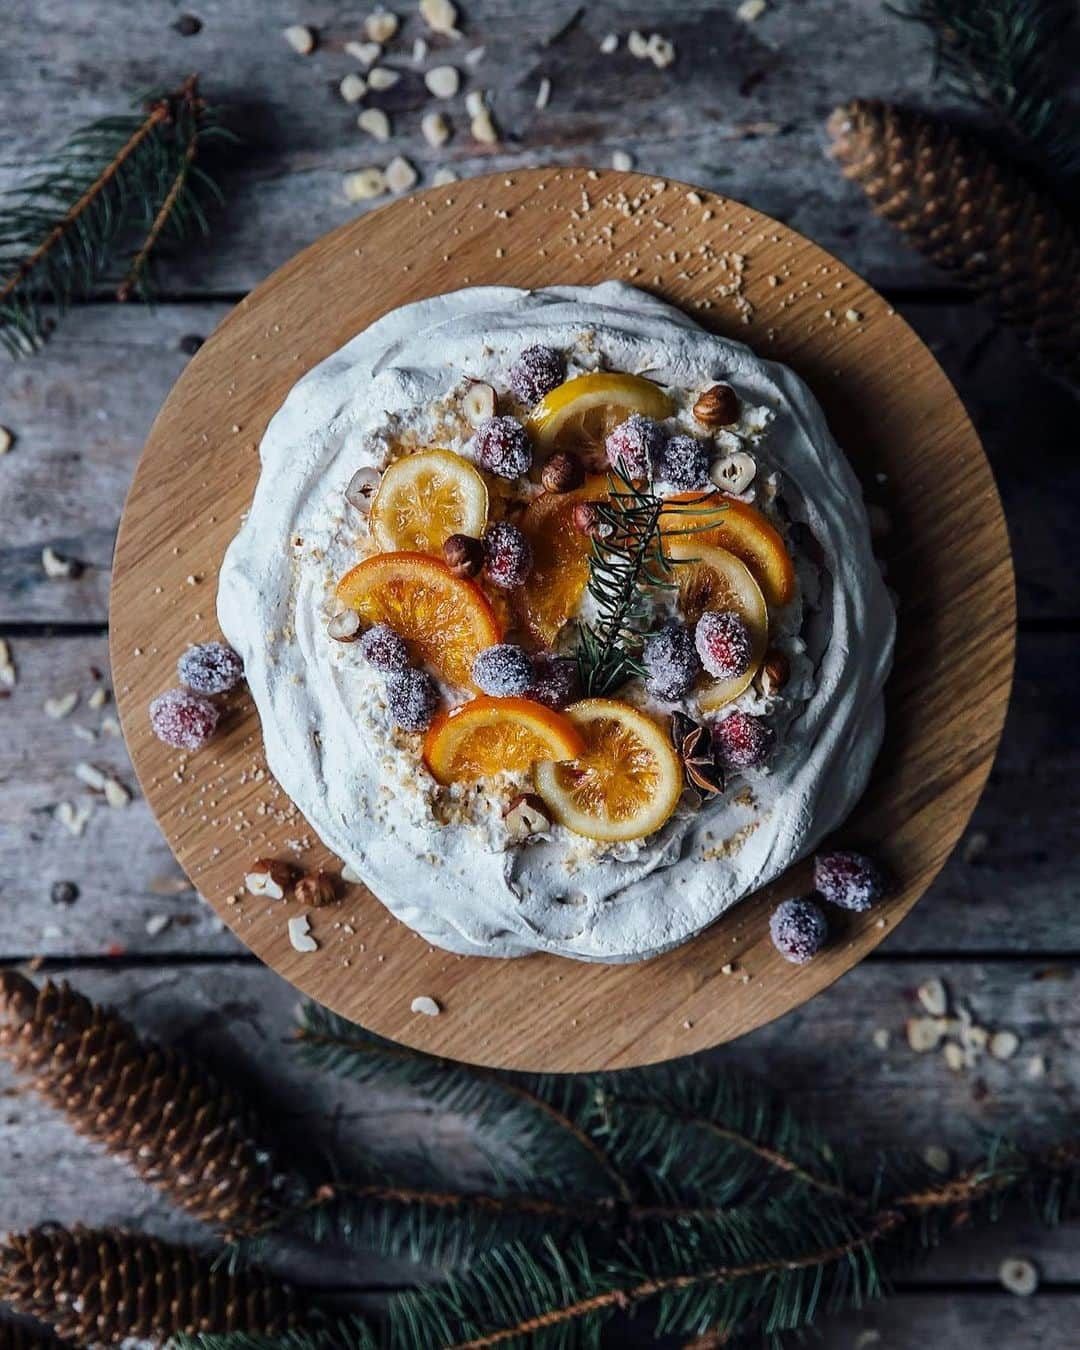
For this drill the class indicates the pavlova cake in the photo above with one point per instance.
(561, 618)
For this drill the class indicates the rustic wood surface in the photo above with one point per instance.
(886, 399)
(999, 923)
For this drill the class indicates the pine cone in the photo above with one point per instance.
(101, 1286)
(973, 215)
(175, 1124)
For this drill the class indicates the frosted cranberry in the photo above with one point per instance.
(634, 446)
(556, 681)
(502, 447)
(684, 463)
(742, 741)
(670, 662)
(412, 698)
(536, 372)
(722, 640)
(210, 668)
(849, 880)
(503, 670)
(382, 648)
(798, 930)
(508, 556)
(184, 720)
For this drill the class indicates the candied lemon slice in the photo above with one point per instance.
(579, 414)
(488, 735)
(626, 783)
(560, 571)
(713, 578)
(426, 497)
(744, 531)
(445, 620)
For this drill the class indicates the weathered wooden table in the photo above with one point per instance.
(741, 111)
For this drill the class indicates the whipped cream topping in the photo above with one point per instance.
(441, 859)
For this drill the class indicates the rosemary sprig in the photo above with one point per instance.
(627, 562)
(120, 179)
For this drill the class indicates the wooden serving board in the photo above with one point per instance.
(891, 408)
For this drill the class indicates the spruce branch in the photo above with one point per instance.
(117, 178)
(162, 1113)
(1005, 56)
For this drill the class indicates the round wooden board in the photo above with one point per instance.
(891, 408)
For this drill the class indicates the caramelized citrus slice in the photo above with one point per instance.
(626, 783)
(424, 498)
(744, 531)
(444, 619)
(579, 413)
(560, 569)
(488, 735)
(716, 579)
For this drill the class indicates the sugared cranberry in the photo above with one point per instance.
(635, 446)
(741, 740)
(382, 648)
(502, 447)
(184, 720)
(508, 556)
(849, 880)
(684, 463)
(503, 670)
(798, 930)
(670, 661)
(412, 698)
(210, 668)
(536, 372)
(556, 681)
(723, 643)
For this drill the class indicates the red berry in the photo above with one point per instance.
(536, 372)
(508, 556)
(798, 930)
(849, 880)
(384, 649)
(184, 720)
(503, 670)
(741, 740)
(684, 463)
(502, 447)
(723, 643)
(210, 668)
(412, 698)
(670, 662)
(556, 681)
(634, 446)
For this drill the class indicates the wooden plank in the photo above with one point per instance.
(1013, 884)
(83, 407)
(239, 1017)
(693, 121)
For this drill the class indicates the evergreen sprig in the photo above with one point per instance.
(627, 565)
(123, 182)
(1005, 56)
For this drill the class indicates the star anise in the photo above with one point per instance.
(702, 769)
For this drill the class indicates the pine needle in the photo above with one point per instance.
(122, 178)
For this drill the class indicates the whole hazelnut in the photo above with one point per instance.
(587, 520)
(562, 473)
(344, 626)
(464, 555)
(775, 672)
(316, 889)
(717, 407)
(526, 815)
(269, 877)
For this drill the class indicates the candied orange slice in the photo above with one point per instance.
(445, 620)
(424, 498)
(626, 783)
(744, 531)
(713, 578)
(488, 735)
(579, 413)
(560, 569)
